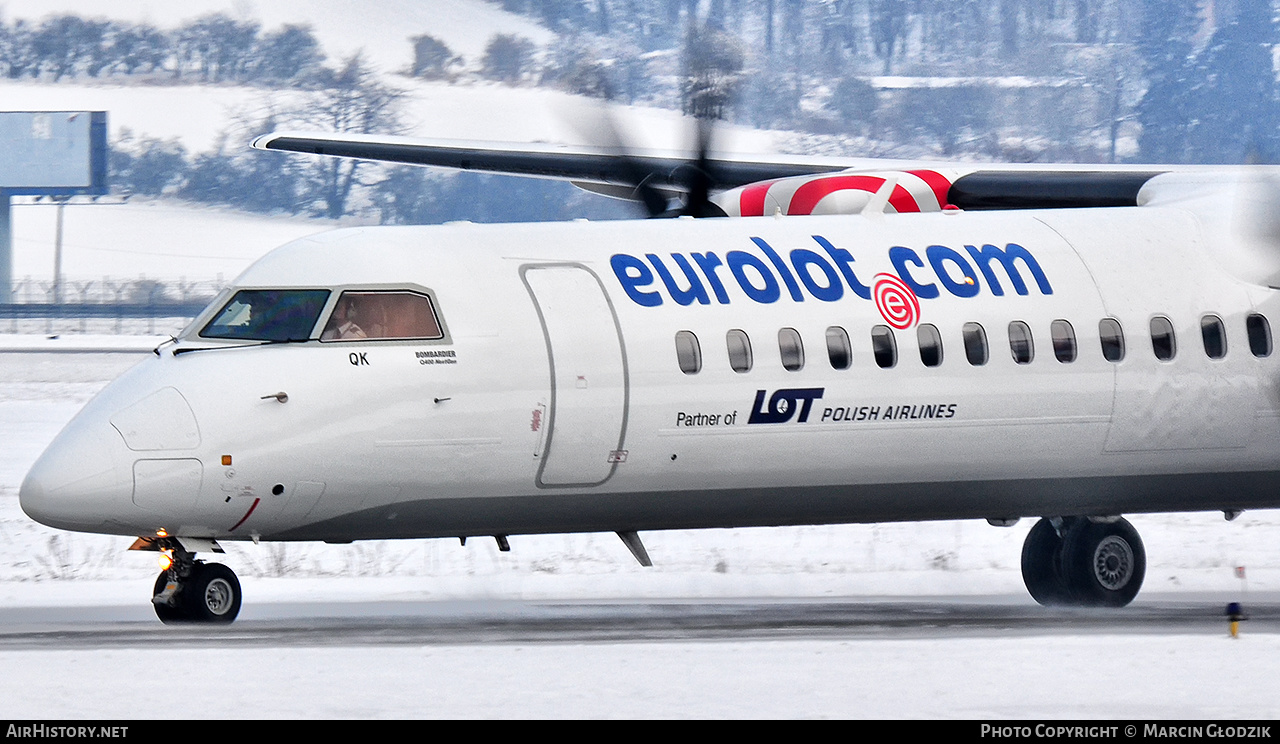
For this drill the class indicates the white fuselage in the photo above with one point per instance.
(555, 400)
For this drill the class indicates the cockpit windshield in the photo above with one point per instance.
(382, 315)
(268, 315)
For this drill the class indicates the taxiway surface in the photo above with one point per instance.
(526, 622)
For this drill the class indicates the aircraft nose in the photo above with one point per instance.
(80, 481)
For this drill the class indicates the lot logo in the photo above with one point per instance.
(896, 302)
(783, 405)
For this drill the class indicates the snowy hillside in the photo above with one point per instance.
(196, 115)
(171, 241)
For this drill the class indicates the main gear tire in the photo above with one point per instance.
(211, 594)
(1105, 563)
(1042, 565)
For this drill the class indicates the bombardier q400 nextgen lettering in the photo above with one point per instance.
(851, 342)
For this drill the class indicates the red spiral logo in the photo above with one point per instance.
(896, 302)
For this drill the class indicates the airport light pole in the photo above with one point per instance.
(6, 249)
(57, 252)
(61, 202)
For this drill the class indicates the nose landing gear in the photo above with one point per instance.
(193, 591)
(1083, 562)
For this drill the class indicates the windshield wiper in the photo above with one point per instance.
(170, 340)
(266, 342)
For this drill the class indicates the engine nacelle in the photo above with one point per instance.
(845, 192)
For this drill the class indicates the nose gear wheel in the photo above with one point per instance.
(192, 591)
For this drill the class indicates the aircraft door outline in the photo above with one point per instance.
(586, 417)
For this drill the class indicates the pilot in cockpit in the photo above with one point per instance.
(342, 324)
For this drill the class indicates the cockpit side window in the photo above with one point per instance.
(382, 315)
(268, 315)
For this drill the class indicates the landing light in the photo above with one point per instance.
(162, 532)
(165, 561)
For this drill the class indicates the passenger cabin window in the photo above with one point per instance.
(1112, 337)
(268, 315)
(359, 316)
(688, 352)
(1064, 341)
(792, 349)
(884, 347)
(930, 344)
(739, 350)
(1163, 343)
(1259, 335)
(975, 344)
(1214, 335)
(839, 350)
(1020, 343)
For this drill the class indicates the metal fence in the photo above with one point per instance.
(115, 290)
(109, 305)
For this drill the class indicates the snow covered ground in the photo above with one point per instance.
(145, 238)
(1109, 677)
(199, 115)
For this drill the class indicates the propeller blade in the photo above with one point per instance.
(653, 188)
(698, 179)
(601, 129)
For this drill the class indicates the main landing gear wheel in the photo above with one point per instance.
(1082, 562)
(1041, 571)
(210, 593)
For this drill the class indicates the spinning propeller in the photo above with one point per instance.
(665, 187)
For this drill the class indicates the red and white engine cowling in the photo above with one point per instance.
(845, 192)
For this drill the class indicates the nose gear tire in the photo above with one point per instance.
(209, 594)
(212, 594)
(167, 613)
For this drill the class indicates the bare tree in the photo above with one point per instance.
(66, 44)
(352, 100)
(508, 58)
(140, 47)
(432, 58)
(712, 63)
(16, 52)
(888, 29)
(291, 55)
(217, 46)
